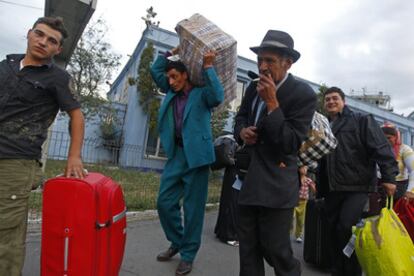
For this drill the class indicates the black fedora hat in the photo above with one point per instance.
(278, 40)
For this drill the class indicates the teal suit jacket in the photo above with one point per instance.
(196, 130)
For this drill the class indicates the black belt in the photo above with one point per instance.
(179, 141)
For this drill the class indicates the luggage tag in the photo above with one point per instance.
(350, 246)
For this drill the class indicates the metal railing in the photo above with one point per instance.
(139, 182)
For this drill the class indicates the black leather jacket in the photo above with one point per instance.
(352, 165)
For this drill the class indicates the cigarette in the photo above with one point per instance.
(255, 80)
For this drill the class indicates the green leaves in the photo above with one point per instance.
(147, 89)
(91, 65)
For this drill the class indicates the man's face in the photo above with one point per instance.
(177, 80)
(43, 42)
(333, 103)
(272, 64)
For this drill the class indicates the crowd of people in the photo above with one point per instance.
(262, 193)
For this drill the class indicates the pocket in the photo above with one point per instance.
(31, 91)
(13, 208)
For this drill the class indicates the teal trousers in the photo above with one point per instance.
(180, 184)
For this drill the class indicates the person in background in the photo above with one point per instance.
(405, 159)
(184, 125)
(32, 90)
(300, 210)
(319, 142)
(226, 225)
(348, 174)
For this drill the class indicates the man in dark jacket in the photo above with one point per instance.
(274, 118)
(32, 91)
(348, 174)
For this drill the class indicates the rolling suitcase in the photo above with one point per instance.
(316, 242)
(83, 227)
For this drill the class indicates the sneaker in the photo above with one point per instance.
(299, 240)
(233, 243)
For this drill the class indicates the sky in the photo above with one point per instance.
(357, 45)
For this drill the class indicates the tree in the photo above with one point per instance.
(149, 99)
(92, 64)
(219, 120)
(322, 90)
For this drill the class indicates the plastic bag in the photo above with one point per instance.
(383, 246)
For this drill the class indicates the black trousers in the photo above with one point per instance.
(343, 210)
(227, 219)
(264, 233)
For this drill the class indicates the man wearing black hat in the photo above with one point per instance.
(274, 118)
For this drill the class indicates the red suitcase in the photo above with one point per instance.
(83, 227)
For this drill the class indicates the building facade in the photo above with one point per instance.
(139, 149)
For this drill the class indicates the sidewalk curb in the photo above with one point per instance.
(34, 225)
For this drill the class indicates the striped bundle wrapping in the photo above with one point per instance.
(198, 35)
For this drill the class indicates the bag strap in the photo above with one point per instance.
(389, 202)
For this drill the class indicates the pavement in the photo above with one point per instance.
(145, 239)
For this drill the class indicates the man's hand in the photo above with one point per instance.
(389, 188)
(174, 51)
(74, 168)
(266, 88)
(249, 135)
(208, 59)
(74, 165)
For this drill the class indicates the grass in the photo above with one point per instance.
(140, 188)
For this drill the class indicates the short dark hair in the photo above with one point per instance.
(334, 89)
(177, 65)
(56, 23)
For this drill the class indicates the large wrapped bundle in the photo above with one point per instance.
(198, 35)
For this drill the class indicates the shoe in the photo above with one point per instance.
(233, 243)
(183, 268)
(167, 255)
(299, 240)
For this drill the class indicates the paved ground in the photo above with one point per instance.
(145, 240)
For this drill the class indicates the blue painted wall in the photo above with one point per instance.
(135, 125)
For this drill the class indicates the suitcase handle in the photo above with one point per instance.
(102, 225)
(66, 252)
(119, 216)
(62, 174)
(115, 218)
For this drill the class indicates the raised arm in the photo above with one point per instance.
(213, 90)
(158, 72)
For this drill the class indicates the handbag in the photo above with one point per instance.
(242, 158)
(224, 148)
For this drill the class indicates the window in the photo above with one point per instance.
(234, 105)
(153, 147)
